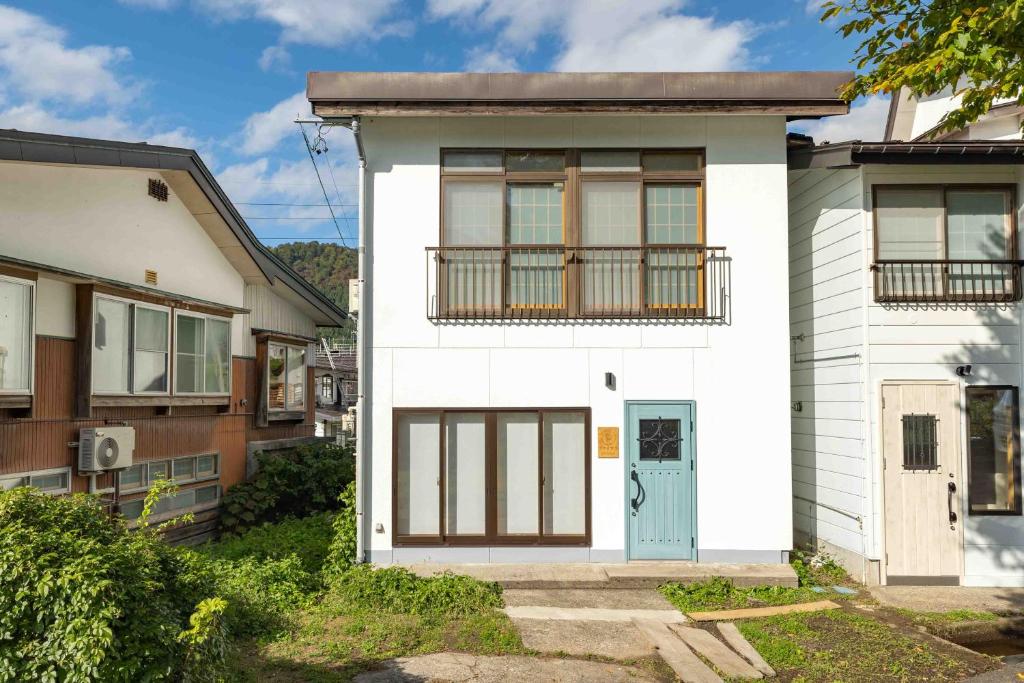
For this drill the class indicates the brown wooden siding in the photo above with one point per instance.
(39, 439)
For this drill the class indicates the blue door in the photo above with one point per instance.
(660, 476)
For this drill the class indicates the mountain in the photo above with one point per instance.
(328, 267)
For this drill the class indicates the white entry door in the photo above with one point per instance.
(921, 451)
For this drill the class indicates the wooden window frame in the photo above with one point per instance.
(491, 537)
(1016, 489)
(286, 412)
(21, 398)
(573, 178)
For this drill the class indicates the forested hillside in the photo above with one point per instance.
(328, 267)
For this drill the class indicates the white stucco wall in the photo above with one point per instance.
(737, 374)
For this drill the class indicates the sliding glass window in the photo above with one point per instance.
(474, 477)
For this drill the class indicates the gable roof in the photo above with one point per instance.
(809, 94)
(185, 171)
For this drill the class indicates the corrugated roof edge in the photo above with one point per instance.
(18, 145)
(803, 155)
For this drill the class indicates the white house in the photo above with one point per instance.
(574, 325)
(906, 330)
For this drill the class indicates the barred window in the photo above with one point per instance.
(920, 444)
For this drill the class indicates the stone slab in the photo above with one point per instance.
(732, 635)
(583, 638)
(456, 668)
(1005, 601)
(671, 616)
(609, 598)
(676, 654)
(568, 575)
(715, 651)
(755, 612)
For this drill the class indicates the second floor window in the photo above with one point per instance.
(130, 347)
(571, 233)
(945, 243)
(16, 335)
(286, 385)
(202, 354)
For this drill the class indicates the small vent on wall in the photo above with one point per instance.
(158, 189)
(150, 277)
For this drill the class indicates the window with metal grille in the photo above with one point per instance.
(920, 444)
(659, 439)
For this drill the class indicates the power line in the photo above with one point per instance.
(288, 204)
(297, 218)
(321, 181)
(302, 239)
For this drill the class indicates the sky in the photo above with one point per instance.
(226, 77)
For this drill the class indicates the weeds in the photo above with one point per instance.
(720, 593)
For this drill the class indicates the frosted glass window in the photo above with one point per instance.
(151, 349)
(610, 162)
(189, 352)
(666, 162)
(535, 161)
(909, 223)
(978, 224)
(15, 335)
(472, 162)
(611, 217)
(518, 470)
(611, 214)
(671, 214)
(185, 469)
(206, 465)
(565, 474)
(218, 356)
(535, 213)
(472, 214)
(465, 474)
(207, 494)
(418, 473)
(111, 346)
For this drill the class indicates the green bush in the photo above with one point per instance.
(397, 590)
(260, 594)
(83, 598)
(309, 539)
(294, 483)
(342, 552)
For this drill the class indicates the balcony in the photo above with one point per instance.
(961, 281)
(486, 283)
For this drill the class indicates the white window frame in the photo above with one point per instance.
(305, 377)
(132, 305)
(30, 333)
(147, 479)
(205, 316)
(66, 471)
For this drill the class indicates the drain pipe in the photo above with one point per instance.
(360, 350)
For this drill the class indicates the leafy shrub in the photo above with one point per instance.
(817, 570)
(83, 598)
(397, 590)
(308, 539)
(205, 641)
(261, 593)
(342, 552)
(295, 483)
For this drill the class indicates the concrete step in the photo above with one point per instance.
(614, 576)
(614, 639)
(609, 598)
(664, 616)
(676, 654)
(712, 649)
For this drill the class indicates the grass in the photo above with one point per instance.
(719, 593)
(939, 620)
(838, 645)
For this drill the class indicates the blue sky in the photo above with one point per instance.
(226, 76)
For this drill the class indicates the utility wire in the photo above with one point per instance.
(286, 204)
(321, 181)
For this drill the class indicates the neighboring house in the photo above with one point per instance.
(133, 294)
(913, 119)
(906, 323)
(574, 331)
(336, 387)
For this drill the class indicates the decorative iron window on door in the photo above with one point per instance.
(920, 442)
(659, 439)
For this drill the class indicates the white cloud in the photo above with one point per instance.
(150, 4)
(866, 121)
(264, 130)
(275, 57)
(35, 62)
(315, 22)
(481, 59)
(593, 35)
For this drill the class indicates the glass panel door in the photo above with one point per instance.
(465, 474)
(418, 466)
(518, 474)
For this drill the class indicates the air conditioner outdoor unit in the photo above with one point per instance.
(105, 448)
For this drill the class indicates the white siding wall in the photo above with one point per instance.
(736, 374)
(826, 250)
(929, 342)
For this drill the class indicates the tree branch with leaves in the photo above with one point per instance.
(974, 49)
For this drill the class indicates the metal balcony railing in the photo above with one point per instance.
(951, 281)
(664, 282)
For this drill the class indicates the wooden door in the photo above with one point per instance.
(921, 452)
(660, 481)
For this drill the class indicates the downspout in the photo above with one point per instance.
(361, 350)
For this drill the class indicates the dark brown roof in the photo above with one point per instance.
(795, 94)
(804, 154)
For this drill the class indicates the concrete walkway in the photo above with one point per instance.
(625, 575)
(456, 668)
(949, 598)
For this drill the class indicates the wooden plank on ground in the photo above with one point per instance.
(715, 651)
(733, 636)
(755, 612)
(676, 654)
